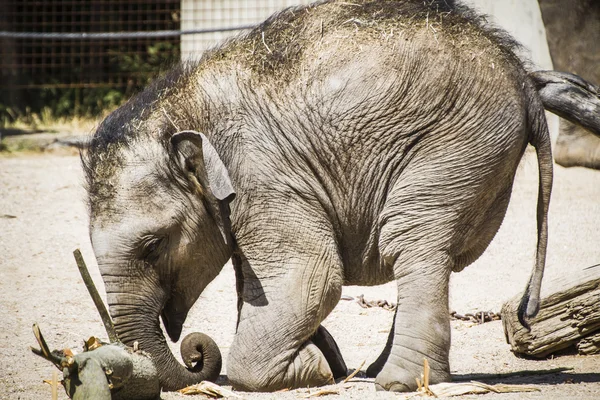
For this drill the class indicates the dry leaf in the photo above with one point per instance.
(448, 389)
(92, 343)
(426, 371)
(209, 389)
(423, 383)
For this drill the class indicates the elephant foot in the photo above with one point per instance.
(325, 342)
(580, 150)
(308, 369)
(393, 378)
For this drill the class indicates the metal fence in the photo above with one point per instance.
(61, 47)
(215, 14)
(57, 61)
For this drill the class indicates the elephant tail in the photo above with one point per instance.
(539, 137)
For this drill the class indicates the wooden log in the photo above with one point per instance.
(589, 344)
(569, 314)
(113, 371)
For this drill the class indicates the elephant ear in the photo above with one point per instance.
(197, 156)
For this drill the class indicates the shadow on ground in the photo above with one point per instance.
(4, 132)
(531, 378)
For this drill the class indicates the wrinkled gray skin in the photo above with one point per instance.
(363, 144)
(573, 33)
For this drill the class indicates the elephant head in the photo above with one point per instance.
(159, 225)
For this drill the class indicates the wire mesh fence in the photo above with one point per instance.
(216, 14)
(82, 56)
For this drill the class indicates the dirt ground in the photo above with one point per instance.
(43, 219)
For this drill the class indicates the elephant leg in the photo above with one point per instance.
(416, 242)
(418, 225)
(421, 325)
(576, 147)
(278, 343)
(325, 342)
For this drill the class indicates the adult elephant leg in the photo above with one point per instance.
(576, 147)
(286, 295)
(573, 35)
(325, 342)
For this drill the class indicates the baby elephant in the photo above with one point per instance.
(335, 144)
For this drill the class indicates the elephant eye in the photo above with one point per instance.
(150, 249)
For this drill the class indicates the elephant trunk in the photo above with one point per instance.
(136, 318)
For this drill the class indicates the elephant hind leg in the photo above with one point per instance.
(483, 228)
(427, 224)
(421, 324)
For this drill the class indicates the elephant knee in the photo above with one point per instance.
(249, 370)
(306, 367)
(245, 379)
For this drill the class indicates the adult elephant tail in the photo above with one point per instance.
(539, 137)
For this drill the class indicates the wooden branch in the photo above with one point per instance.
(570, 97)
(89, 283)
(44, 350)
(569, 312)
(356, 371)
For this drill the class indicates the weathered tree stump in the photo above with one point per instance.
(569, 317)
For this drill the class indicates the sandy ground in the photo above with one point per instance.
(43, 219)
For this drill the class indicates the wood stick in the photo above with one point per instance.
(89, 283)
(54, 385)
(356, 371)
(44, 351)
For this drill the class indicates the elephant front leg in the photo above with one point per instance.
(421, 325)
(279, 343)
